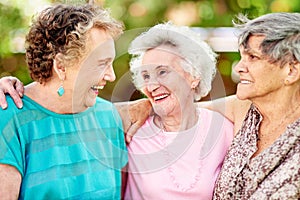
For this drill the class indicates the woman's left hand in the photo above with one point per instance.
(133, 114)
(12, 86)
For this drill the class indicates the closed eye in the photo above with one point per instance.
(105, 62)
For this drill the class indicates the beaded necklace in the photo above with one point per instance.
(168, 158)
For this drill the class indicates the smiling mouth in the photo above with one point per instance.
(245, 82)
(160, 97)
(97, 87)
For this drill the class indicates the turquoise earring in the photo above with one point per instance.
(61, 89)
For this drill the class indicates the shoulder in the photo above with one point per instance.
(236, 109)
(12, 110)
(212, 116)
(218, 132)
(233, 109)
(102, 101)
(148, 127)
(15, 117)
(107, 113)
(146, 134)
(240, 109)
(104, 106)
(11, 105)
(216, 124)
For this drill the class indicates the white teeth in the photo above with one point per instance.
(160, 97)
(97, 87)
(245, 82)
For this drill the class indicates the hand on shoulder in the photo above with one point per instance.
(13, 87)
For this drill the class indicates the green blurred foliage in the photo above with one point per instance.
(142, 14)
(204, 13)
(10, 20)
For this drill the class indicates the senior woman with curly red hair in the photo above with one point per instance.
(66, 143)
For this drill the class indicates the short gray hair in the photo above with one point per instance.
(282, 35)
(200, 58)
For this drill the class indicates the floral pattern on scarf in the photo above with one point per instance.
(273, 174)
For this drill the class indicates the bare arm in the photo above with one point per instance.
(135, 113)
(231, 107)
(10, 182)
(14, 87)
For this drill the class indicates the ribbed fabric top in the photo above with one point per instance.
(64, 156)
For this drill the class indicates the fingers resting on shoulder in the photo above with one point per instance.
(133, 114)
(13, 87)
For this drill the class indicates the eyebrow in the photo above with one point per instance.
(250, 51)
(105, 60)
(158, 67)
(161, 66)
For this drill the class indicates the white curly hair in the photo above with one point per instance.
(200, 58)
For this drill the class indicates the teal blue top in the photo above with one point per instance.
(64, 156)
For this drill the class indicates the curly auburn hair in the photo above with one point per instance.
(63, 29)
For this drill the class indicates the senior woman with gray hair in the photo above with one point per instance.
(263, 161)
(178, 152)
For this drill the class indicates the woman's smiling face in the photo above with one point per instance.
(258, 77)
(95, 70)
(164, 81)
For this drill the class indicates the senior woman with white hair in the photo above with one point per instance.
(178, 152)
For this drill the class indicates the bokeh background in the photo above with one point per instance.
(212, 18)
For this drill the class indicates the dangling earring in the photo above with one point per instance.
(61, 89)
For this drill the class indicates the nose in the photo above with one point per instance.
(152, 85)
(240, 67)
(110, 74)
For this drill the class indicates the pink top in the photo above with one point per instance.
(178, 165)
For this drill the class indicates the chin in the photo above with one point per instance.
(159, 110)
(90, 102)
(241, 96)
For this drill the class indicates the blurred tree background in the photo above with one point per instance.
(137, 15)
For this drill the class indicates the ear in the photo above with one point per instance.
(195, 82)
(58, 66)
(293, 73)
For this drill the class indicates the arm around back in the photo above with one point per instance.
(231, 107)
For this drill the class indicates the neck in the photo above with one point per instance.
(274, 108)
(46, 96)
(177, 122)
(277, 115)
